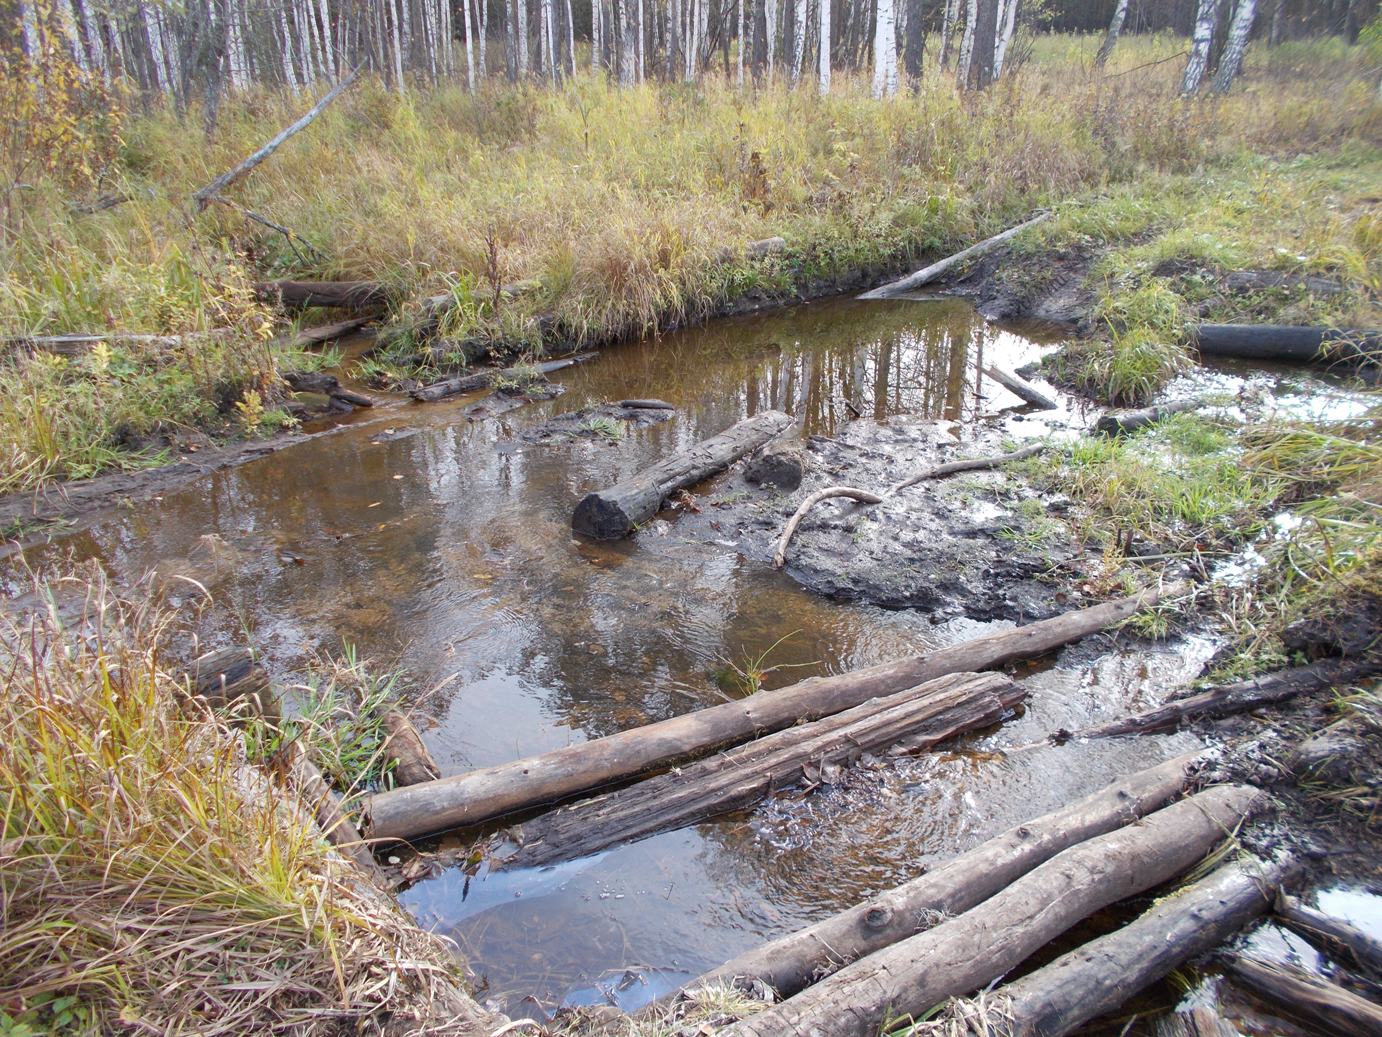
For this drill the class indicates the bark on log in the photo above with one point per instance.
(1304, 345)
(1238, 697)
(343, 295)
(325, 805)
(908, 721)
(1331, 1008)
(1106, 972)
(206, 195)
(969, 951)
(1258, 280)
(1121, 422)
(851, 492)
(646, 404)
(1346, 943)
(973, 464)
(1022, 389)
(322, 333)
(404, 745)
(930, 273)
(490, 792)
(327, 385)
(794, 961)
(612, 513)
(485, 379)
(228, 677)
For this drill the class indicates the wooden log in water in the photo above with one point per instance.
(792, 962)
(536, 781)
(927, 274)
(910, 721)
(1021, 388)
(1344, 942)
(968, 952)
(614, 512)
(413, 763)
(646, 404)
(1326, 1007)
(1294, 344)
(327, 385)
(1109, 971)
(487, 378)
(305, 338)
(1121, 422)
(230, 680)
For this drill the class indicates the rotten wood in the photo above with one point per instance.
(326, 385)
(324, 803)
(1021, 388)
(1105, 973)
(938, 269)
(1296, 344)
(790, 963)
(413, 763)
(1346, 943)
(1228, 699)
(230, 678)
(305, 338)
(828, 493)
(908, 721)
(614, 512)
(965, 953)
(646, 404)
(536, 781)
(338, 295)
(487, 378)
(76, 343)
(1328, 1008)
(1121, 422)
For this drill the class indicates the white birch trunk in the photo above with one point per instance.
(1238, 32)
(884, 50)
(397, 29)
(571, 38)
(639, 29)
(597, 36)
(967, 42)
(28, 20)
(799, 43)
(469, 46)
(1200, 43)
(952, 13)
(770, 34)
(522, 30)
(1115, 28)
(743, 40)
(1006, 28)
(823, 65)
(624, 27)
(482, 17)
(68, 18)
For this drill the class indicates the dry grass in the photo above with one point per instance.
(150, 879)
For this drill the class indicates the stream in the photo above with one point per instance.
(437, 536)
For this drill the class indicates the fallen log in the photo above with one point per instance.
(1022, 389)
(612, 513)
(413, 763)
(321, 799)
(490, 792)
(1121, 422)
(486, 379)
(646, 404)
(1304, 345)
(323, 333)
(972, 464)
(930, 273)
(1107, 972)
(907, 721)
(1259, 280)
(340, 295)
(969, 951)
(1346, 943)
(1331, 1008)
(851, 492)
(229, 678)
(1229, 699)
(76, 343)
(206, 195)
(326, 385)
(792, 962)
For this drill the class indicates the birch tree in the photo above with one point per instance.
(1115, 27)
(884, 50)
(1007, 26)
(1200, 42)
(967, 42)
(1240, 28)
(948, 19)
(799, 41)
(824, 48)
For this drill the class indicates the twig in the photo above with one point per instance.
(973, 464)
(863, 496)
(1149, 64)
(291, 235)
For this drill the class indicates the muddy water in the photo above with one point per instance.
(438, 536)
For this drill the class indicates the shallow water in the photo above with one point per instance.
(438, 537)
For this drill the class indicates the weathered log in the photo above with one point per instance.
(1022, 389)
(790, 963)
(322, 333)
(228, 678)
(1347, 943)
(490, 792)
(1238, 697)
(612, 513)
(930, 273)
(404, 745)
(908, 721)
(1304, 345)
(327, 385)
(486, 379)
(319, 797)
(1259, 280)
(1331, 1008)
(829, 492)
(1121, 422)
(1106, 972)
(76, 343)
(342, 295)
(972, 464)
(646, 404)
(1194, 1021)
(206, 195)
(969, 951)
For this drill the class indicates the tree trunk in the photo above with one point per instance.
(909, 721)
(1306, 345)
(612, 513)
(937, 269)
(791, 963)
(798, 41)
(952, 13)
(823, 64)
(1115, 28)
(1022, 389)
(1200, 44)
(1342, 941)
(1006, 29)
(1232, 59)
(490, 792)
(884, 50)
(1121, 422)
(412, 761)
(482, 380)
(984, 44)
(344, 295)
(1329, 1009)
(970, 951)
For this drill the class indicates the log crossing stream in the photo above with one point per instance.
(439, 536)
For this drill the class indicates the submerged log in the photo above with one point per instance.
(908, 721)
(931, 273)
(229, 679)
(487, 379)
(1022, 389)
(327, 385)
(323, 333)
(1346, 943)
(646, 404)
(969, 951)
(1121, 422)
(1303, 345)
(1105, 973)
(490, 792)
(792, 962)
(1238, 697)
(343, 295)
(1330, 1008)
(404, 745)
(612, 513)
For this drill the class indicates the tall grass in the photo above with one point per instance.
(150, 879)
